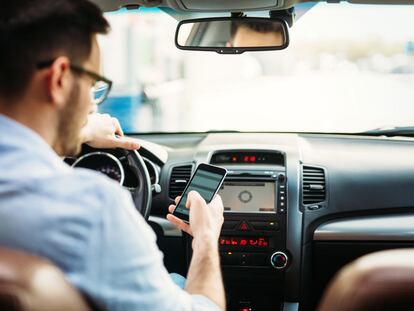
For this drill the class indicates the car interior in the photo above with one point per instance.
(300, 204)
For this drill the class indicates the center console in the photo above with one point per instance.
(253, 233)
(253, 239)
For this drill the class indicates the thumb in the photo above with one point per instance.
(193, 197)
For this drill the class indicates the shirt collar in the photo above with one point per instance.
(14, 134)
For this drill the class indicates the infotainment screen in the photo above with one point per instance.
(248, 196)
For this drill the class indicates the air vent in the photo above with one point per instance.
(180, 176)
(313, 185)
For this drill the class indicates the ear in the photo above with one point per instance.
(60, 81)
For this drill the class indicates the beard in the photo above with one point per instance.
(69, 140)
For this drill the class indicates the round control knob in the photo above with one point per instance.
(279, 260)
(281, 178)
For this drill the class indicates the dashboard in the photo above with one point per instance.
(297, 207)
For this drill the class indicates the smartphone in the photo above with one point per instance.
(206, 180)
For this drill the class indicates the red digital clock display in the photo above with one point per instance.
(244, 241)
(245, 157)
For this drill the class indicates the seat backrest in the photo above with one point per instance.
(30, 283)
(380, 281)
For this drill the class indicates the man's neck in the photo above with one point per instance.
(29, 114)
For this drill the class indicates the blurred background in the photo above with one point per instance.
(349, 68)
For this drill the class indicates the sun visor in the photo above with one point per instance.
(228, 5)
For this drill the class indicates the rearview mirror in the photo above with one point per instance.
(232, 35)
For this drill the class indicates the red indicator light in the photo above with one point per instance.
(234, 159)
(244, 227)
(252, 159)
(246, 159)
(240, 241)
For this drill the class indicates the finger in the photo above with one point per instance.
(193, 196)
(171, 208)
(179, 223)
(177, 199)
(188, 201)
(216, 200)
(123, 142)
(118, 128)
(130, 143)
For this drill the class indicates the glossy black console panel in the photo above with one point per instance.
(247, 243)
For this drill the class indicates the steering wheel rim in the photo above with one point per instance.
(142, 194)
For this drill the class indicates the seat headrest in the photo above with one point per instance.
(30, 283)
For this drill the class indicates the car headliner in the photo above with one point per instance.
(225, 5)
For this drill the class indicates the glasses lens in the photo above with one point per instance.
(99, 92)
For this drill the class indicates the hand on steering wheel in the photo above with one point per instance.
(104, 131)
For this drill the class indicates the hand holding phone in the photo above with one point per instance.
(201, 190)
(206, 220)
(206, 180)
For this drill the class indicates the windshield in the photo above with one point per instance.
(349, 68)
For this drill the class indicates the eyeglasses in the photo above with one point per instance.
(99, 91)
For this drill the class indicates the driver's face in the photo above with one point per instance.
(74, 117)
(246, 37)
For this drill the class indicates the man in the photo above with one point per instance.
(255, 34)
(82, 221)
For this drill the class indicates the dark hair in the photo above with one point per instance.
(258, 26)
(33, 31)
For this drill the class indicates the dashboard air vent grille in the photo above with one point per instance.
(313, 185)
(180, 176)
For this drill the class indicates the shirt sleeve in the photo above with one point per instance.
(124, 268)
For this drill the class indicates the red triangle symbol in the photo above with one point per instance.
(244, 227)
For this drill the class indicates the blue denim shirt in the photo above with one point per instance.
(86, 224)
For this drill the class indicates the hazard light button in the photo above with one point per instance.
(244, 226)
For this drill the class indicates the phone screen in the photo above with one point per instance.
(206, 180)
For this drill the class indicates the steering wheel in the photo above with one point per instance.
(142, 193)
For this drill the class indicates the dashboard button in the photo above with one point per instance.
(229, 224)
(265, 225)
(279, 260)
(244, 259)
(244, 226)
